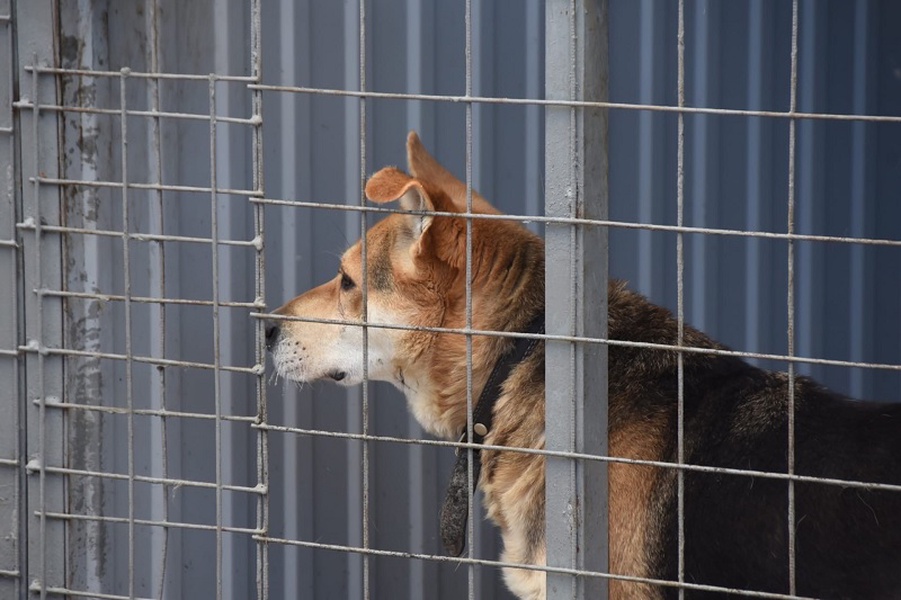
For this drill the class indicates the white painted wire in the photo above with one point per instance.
(365, 293)
(792, 126)
(159, 308)
(217, 362)
(680, 295)
(262, 417)
(39, 319)
(129, 363)
(471, 482)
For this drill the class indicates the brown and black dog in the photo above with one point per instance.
(848, 538)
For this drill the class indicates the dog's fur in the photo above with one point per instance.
(736, 527)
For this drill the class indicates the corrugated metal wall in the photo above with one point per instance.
(10, 478)
(738, 56)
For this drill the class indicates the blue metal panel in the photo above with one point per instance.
(737, 56)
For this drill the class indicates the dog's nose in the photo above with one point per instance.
(272, 331)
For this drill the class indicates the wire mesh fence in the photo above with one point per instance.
(174, 171)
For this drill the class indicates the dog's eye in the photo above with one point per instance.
(346, 282)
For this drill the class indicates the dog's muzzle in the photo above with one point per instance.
(272, 333)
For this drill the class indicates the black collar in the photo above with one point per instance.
(455, 511)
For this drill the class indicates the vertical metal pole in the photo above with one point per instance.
(11, 416)
(43, 329)
(42, 396)
(792, 125)
(217, 358)
(256, 65)
(365, 316)
(157, 252)
(129, 363)
(680, 286)
(576, 298)
(129, 347)
(470, 479)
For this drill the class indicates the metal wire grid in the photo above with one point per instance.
(50, 292)
(47, 290)
(793, 116)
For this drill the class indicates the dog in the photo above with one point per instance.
(736, 536)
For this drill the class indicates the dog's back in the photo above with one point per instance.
(848, 537)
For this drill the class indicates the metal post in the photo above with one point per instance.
(262, 508)
(11, 438)
(41, 270)
(576, 298)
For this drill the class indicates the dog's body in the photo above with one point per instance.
(848, 539)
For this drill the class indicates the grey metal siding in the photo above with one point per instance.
(11, 541)
(848, 297)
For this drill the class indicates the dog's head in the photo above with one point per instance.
(415, 272)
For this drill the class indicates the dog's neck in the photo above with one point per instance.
(509, 295)
(420, 393)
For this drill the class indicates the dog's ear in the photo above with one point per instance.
(423, 166)
(392, 184)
